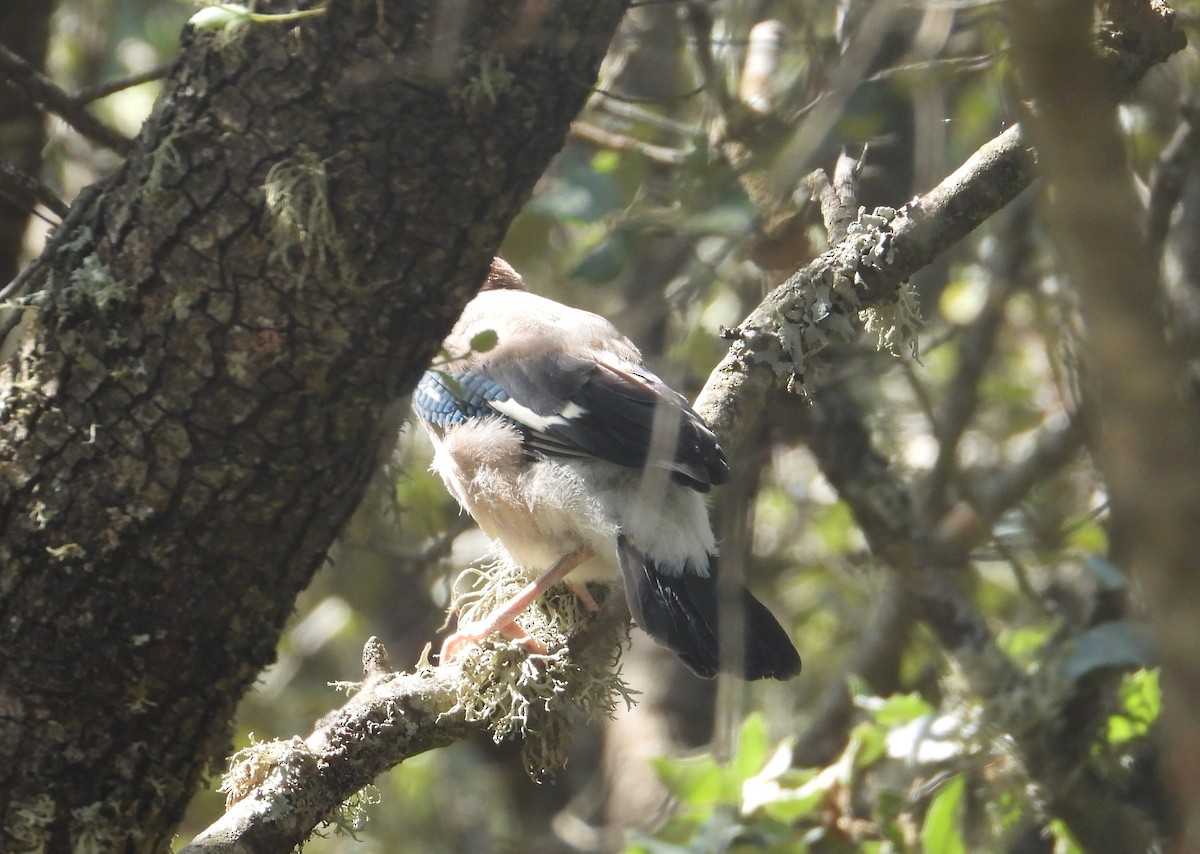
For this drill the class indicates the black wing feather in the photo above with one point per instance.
(615, 414)
(681, 612)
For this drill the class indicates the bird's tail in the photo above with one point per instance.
(682, 613)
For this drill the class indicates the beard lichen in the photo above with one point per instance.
(303, 234)
(820, 310)
(535, 696)
(252, 766)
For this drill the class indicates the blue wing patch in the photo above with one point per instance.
(444, 399)
(567, 406)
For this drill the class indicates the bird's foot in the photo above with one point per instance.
(504, 619)
(586, 600)
(473, 633)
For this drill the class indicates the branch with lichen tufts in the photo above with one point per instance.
(282, 791)
(396, 716)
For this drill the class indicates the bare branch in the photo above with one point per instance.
(42, 90)
(1174, 166)
(975, 348)
(26, 192)
(598, 136)
(110, 87)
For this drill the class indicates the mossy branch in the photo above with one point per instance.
(280, 791)
(300, 784)
(396, 716)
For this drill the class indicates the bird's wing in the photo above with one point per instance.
(567, 405)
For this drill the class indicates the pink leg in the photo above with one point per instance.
(503, 620)
(579, 588)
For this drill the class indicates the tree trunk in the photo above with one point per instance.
(211, 342)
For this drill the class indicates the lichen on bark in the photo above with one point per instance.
(185, 426)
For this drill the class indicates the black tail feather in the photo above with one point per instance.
(681, 613)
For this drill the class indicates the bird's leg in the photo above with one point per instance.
(579, 588)
(503, 620)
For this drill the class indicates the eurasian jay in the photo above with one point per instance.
(576, 458)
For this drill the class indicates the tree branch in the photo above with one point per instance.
(42, 90)
(392, 717)
(923, 229)
(764, 355)
(783, 340)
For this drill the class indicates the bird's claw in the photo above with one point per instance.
(473, 633)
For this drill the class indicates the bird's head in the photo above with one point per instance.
(502, 277)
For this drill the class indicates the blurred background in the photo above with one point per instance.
(672, 210)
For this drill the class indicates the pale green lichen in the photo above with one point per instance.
(40, 514)
(95, 829)
(270, 769)
(534, 696)
(895, 325)
(281, 762)
(27, 829)
(94, 282)
(820, 313)
(67, 551)
(490, 79)
(165, 163)
(352, 816)
(303, 234)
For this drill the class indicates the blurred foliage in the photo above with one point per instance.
(652, 230)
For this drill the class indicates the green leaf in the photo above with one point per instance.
(752, 749)
(452, 384)
(484, 341)
(696, 780)
(605, 161)
(1120, 643)
(897, 709)
(1141, 702)
(940, 831)
(1064, 841)
(836, 526)
(1087, 535)
(1024, 643)
(1108, 576)
(868, 743)
(790, 805)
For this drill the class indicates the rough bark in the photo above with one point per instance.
(210, 346)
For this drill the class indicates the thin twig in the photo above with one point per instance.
(636, 113)
(42, 90)
(1053, 446)
(598, 136)
(102, 90)
(975, 348)
(630, 99)
(26, 191)
(700, 20)
(1175, 164)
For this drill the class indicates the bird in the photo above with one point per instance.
(583, 465)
